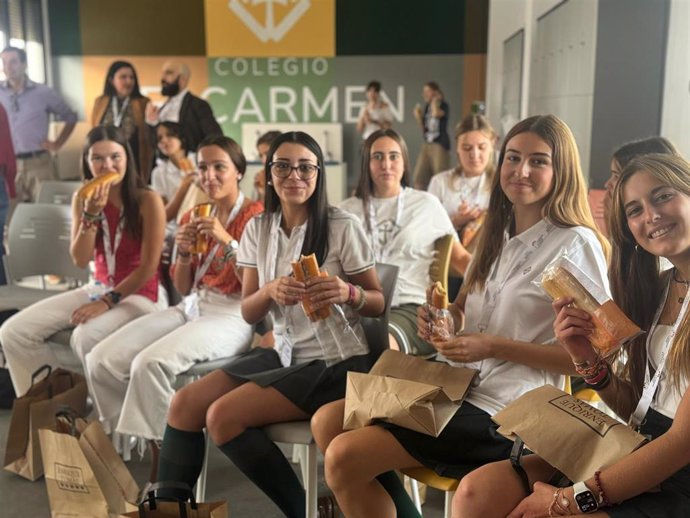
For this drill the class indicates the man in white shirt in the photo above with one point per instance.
(191, 112)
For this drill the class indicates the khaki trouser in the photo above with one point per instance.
(30, 173)
(433, 158)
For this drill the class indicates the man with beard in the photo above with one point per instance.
(191, 112)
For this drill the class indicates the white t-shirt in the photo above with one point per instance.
(349, 253)
(408, 243)
(523, 311)
(376, 117)
(452, 189)
(165, 180)
(666, 399)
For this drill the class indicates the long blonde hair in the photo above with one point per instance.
(566, 204)
(637, 284)
(479, 123)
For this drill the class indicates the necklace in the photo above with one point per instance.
(680, 281)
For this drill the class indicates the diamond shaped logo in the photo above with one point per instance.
(269, 30)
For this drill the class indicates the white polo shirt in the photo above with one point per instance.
(349, 253)
(523, 311)
(409, 242)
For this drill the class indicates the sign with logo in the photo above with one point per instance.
(263, 28)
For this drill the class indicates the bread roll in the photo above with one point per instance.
(87, 190)
(439, 296)
(186, 165)
(304, 269)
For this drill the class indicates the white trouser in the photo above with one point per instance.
(133, 371)
(23, 336)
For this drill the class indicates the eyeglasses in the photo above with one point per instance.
(284, 169)
(15, 102)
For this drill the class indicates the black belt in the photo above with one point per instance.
(30, 154)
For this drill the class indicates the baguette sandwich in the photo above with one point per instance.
(89, 188)
(612, 328)
(306, 268)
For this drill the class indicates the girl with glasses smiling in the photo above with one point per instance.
(293, 379)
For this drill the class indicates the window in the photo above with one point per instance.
(21, 25)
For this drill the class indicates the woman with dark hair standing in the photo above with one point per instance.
(122, 105)
(292, 380)
(121, 228)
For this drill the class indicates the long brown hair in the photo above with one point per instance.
(480, 123)
(637, 284)
(131, 183)
(566, 205)
(365, 185)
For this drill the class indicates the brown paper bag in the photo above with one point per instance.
(113, 477)
(72, 486)
(408, 391)
(566, 432)
(152, 507)
(36, 409)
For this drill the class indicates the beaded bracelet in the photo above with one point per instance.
(589, 370)
(602, 496)
(89, 216)
(87, 225)
(351, 294)
(362, 299)
(601, 380)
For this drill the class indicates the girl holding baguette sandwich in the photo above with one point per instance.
(118, 223)
(650, 219)
(291, 380)
(538, 207)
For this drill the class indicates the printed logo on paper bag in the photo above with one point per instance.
(270, 28)
(70, 478)
(595, 419)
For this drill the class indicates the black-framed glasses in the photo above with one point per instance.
(284, 169)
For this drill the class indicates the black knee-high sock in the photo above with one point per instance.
(404, 506)
(181, 458)
(264, 464)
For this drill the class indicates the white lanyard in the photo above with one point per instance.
(491, 295)
(650, 386)
(110, 260)
(298, 233)
(118, 114)
(199, 274)
(380, 250)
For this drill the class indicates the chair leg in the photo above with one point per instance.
(200, 489)
(448, 504)
(414, 485)
(310, 478)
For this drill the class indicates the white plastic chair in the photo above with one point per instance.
(57, 192)
(38, 245)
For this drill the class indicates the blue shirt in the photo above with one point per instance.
(29, 113)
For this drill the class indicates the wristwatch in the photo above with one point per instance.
(114, 297)
(585, 499)
(230, 250)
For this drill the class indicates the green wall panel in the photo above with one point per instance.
(65, 35)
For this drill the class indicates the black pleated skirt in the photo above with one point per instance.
(308, 385)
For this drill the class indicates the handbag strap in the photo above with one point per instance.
(152, 498)
(516, 461)
(70, 415)
(38, 372)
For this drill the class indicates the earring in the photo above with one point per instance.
(269, 182)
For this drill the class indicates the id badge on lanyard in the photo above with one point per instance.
(110, 250)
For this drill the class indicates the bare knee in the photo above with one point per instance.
(326, 424)
(186, 412)
(467, 498)
(220, 423)
(340, 463)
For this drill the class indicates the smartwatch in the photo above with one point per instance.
(230, 250)
(585, 499)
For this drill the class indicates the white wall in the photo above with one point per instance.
(557, 67)
(675, 118)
